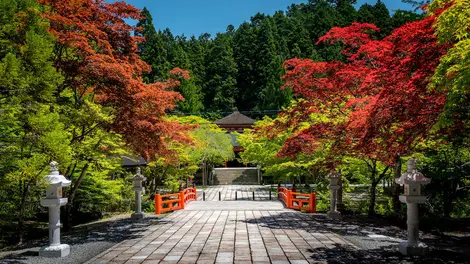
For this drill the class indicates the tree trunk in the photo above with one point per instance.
(21, 212)
(68, 208)
(396, 189)
(372, 198)
(448, 197)
(340, 204)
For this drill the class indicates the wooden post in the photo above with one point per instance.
(182, 200)
(288, 199)
(313, 203)
(253, 195)
(158, 204)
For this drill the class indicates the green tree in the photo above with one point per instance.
(453, 74)
(31, 130)
(221, 73)
(401, 17)
(378, 15)
(211, 146)
(244, 51)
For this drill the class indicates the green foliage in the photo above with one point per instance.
(448, 167)
(100, 193)
(31, 130)
(221, 84)
(261, 149)
(44, 117)
(210, 146)
(453, 73)
(378, 15)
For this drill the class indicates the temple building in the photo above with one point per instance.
(235, 122)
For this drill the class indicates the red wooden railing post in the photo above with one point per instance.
(313, 202)
(288, 199)
(182, 200)
(195, 194)
(158, 204)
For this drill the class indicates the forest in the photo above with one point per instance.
(333, 87)
(242, 67)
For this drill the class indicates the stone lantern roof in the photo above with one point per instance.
(412, 176)
(138, 176)
(334, 175)
(55, 177)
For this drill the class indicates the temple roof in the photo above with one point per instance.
(127, 161)
(236, 118)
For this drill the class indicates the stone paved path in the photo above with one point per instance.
(244, 192)
(223, 236)
(234, 205)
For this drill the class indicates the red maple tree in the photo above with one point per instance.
(377, 101)
(375, 105)
(98, 56)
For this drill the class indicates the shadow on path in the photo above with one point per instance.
(85, 242)
(375, 242)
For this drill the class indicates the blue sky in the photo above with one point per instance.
(193, 17)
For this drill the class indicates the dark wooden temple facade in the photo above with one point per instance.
(235, 122)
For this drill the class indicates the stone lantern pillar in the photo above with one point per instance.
(54, 201)
(334, 177)
(412, 179)
(138, 188)
(213, 175)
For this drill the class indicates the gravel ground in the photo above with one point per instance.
(377, 242)
(85, 242)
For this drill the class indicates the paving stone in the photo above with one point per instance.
(246, 233)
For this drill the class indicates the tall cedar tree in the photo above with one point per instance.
(221, 73)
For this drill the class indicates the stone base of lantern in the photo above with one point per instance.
(412, 250)
(137, 216)
(333, 214)
(58, 251)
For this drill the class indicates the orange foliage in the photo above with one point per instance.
(97, 52)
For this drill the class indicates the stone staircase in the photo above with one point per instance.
(228, 176)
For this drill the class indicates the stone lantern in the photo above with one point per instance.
(138, 179)
(54, 201)
(334, 178)
(412, 179)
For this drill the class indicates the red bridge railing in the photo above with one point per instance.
(298, 201)
(174, 201)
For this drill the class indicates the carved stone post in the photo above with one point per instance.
(412, 179)
(334, 177)
(54, 201)
(138, 188)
